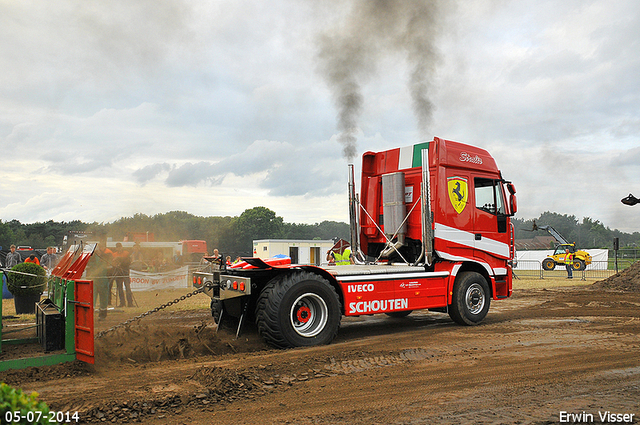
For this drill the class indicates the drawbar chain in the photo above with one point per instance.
(147, 313)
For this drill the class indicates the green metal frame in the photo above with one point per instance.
(62, 293)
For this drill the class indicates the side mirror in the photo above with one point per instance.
(513, 201)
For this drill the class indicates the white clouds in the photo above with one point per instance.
(148, 172)
(629, 157)
(108, 109)
(282, 168)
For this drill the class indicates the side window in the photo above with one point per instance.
(489, 196)
(484, 189)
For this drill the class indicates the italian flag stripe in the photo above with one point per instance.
(417, 153)
(411, 156)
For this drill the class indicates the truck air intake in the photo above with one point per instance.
(394, 211)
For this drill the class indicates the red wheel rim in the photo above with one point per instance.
(303, 314)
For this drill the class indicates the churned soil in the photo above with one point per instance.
(627, 280)
(538, 354)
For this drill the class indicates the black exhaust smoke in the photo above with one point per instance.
(348, 56)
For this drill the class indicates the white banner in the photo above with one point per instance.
(142, 281)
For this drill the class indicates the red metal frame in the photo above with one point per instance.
(70, 269)
(65, 262)
(75, 260)
(84, 331)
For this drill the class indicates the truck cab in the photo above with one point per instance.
(470, 203)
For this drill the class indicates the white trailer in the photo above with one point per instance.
(307, 252)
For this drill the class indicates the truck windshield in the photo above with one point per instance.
(489, 196)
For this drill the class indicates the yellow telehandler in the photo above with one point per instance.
(581, 259)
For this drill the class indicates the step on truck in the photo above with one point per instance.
(431, 229)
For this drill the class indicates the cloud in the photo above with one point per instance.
(50, 201)
(562, 72)
(73, 165)
(628, 158)
(90, 159)
(191, 174)
(149, 172)
(282, 168)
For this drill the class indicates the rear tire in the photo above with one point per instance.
(579, 265)
(548, 264)
(471, 299)
(298, 309)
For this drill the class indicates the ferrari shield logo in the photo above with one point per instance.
(458, 192)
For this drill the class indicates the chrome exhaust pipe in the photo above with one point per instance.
(427, 219)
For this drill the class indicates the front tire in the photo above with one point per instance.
(297, 310)
(471, 299)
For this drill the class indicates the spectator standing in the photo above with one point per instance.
(216, 259)
(13, 257)
(121, 264)
(568, 262)
(137, 259)
(49, 260)
(136, 255)
(97, 270)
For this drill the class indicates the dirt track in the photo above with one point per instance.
(539, 353)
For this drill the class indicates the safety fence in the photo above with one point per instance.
(595, 270)
(632, 254)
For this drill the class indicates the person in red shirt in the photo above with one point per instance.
(32, 259)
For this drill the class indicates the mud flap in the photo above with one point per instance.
(242, 317)
(84, 332)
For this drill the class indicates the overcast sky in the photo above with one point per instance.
(113, 108)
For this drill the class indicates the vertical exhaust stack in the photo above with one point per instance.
(394, 210)
(353, 213)
(427, 220)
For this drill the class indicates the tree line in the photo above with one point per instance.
(231, 235)
(235, 235)
(588, 233)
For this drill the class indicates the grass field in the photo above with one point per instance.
(550, 282)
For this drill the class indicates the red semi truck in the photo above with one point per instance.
(431, 229)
